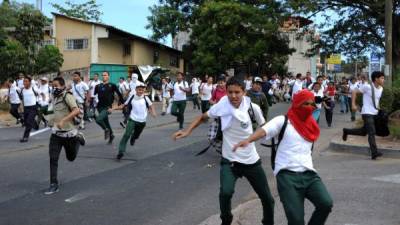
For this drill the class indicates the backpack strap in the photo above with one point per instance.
(252, 114)
(144, 97)
(373, 96)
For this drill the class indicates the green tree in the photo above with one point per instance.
(224, 34)
(89, 10)
(49, 59)
(354, 27)
(13, 58)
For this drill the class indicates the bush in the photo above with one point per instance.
(386, 102)
(396, 99)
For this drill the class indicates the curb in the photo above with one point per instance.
(341, 146)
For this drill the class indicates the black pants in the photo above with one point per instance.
(71, 146)
(195, 99)
(205, 106)
(30, 113)
(367, 129)
(14, 111)
(329, 113)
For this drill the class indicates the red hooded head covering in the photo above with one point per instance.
(300, 116)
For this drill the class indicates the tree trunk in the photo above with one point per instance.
(396, 47)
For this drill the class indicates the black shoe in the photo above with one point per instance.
(119, 156)
(163, 114)
(81, 138)
(122, 124)
(107, 134)
(18, 122)
(344, 136)
(111, 139)
(132, 141)
(52, 189)
(353, 119)
(22, 140)
(376, 155)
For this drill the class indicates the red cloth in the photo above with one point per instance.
(218, 93)
(300, 116)
(331, 90)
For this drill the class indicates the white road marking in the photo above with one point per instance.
(39, 131)
(394, 178)
(77, 197)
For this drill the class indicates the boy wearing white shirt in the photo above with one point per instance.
(80, 92)
(29, 97)
(195, 93)
(44, 100)
(166, 95)
(353, 85)
(236, 124)
(206, 90)
(140, 105)
(93, 98)
(180, 88)
(296, 177)
(369, 111)
(14, 100)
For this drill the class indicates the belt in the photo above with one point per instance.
(238, 164)
(296, 173)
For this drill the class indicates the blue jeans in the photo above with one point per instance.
(343, 103)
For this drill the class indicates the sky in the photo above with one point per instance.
(128, 15)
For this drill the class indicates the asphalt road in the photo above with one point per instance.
(158, 182)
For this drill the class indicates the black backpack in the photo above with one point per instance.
(274, 146)
(216, 142)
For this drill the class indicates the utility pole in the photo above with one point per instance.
(388, 41)
(39, 5)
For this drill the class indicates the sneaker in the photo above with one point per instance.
(132, 140)
(119, 156)
(52, 189)
(22, 140)
(122, 124)
(111, 139)
(344, 136)
(376, 155)
(107, 134)
(81, 138)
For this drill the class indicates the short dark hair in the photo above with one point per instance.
(60, 80)
(77, 73)
(298, 75)
(376, 74)
(320, 76)
(180, 74)
(236, 82)
(28, 78)
(105, 71)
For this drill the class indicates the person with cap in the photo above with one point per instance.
(219, 91)
(180, 89)
(139, 105)
(124, 88)
(80, 91)
(296, 176)
(258, 97)
(44, 100)
(105, 93)
(29, 98)
(236, 121)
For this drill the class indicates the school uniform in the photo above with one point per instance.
(179, 103)
(195, 94)
(30, 100)
(43, 100)
(79, 91)
(14, 101)
(236, 125)
(206, 94)
(296, 176)
(137, 119)
(165, 93)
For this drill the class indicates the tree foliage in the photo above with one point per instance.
(49, 59)
(89, 10)
(224, 34)
(13, 58)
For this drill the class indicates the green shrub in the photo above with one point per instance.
(386, 102)
(396, 99)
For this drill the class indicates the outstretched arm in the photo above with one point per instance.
(196, 122)
(260, 132)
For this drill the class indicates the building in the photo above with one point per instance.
(88, 46)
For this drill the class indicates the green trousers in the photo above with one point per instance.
(255, 175)
(178, 110)
(132, 128)
(294, 187)
(102, 119)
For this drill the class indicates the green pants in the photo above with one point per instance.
(178, 110)
(255, 175)
(42, 111)
(132, 128)
(294, 187)
(102, 119)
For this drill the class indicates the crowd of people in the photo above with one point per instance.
(238, 110)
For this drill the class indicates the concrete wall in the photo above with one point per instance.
(69, 29)
(110, 52)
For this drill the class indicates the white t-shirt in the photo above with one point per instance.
(195, 87)
(236, 132)
(206, 91)
(12, 94)
(132, 86)
(92, 85)
(294, 152)
(248, 84)
(123, 88)
(46, 91)
(180, 95)
(139, 108)
(30, 96)
(368, 105)
(79, 91)
(319, 94)
(165, 90)
(20, 83)
(297, 86)
(352, 87)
